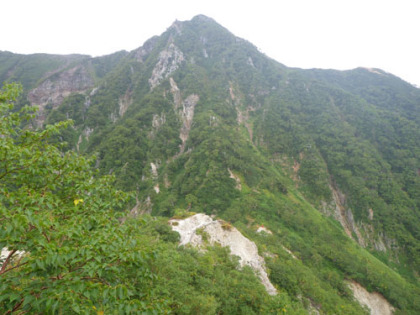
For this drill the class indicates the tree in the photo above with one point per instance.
(69, 248)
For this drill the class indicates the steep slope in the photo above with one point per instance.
(199, 120)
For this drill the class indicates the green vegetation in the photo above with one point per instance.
(267, 145)
(71, 249)
(68, 251)
(31, 69)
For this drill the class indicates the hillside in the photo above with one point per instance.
(198, 120)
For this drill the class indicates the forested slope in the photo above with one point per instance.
(198, 120)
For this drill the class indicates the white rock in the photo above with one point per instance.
(376, 303)
(169, 61)
(225, 236)
(264, 229)
(153, 168)
(156, 188)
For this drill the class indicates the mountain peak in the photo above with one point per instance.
(202, 18)
(198, 18)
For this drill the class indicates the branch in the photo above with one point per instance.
(11, 268)
(16, 307)
(46, 236)
(59, 277)
(11, 171)
(6, 262)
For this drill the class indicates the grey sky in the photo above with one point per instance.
(298, 33)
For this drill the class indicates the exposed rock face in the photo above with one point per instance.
(87, 132)
(169, 61)
(187, 112)
(379, 241)
(142, 207)
(153, 168)
(158, 121)
(250, 62)
(376, 71)
(232, 94)
(176, 93)
(124, 102)
(289, 252)
(263, 229)
(376, 303)
(365, 233)
(345, 216)
(379, 245)
(236, 178)
(370, 214)
(156, 188)
(225, 235)
(54, 89)
(187, 116)
(242, 114)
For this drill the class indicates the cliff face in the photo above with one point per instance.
(168, 62)
(57, 87)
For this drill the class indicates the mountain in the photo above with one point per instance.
(198, 120)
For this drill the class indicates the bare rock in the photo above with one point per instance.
(263, 229)
(374, 301)
(57, 87)
(124, 102)
(187, 116)
(142, 207)
(176, 93)
(153, 168)
(169, 61)
(225, 235)
(237, 180)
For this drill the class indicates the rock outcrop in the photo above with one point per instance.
(142, 207)
(365, 233)
(187, 116)
(124, 102)
(169, 61)
(343, 215)
(176, 93)
(236, 178)
(225, 235)
(374, 301)
(57, 87)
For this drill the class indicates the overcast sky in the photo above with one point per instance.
(340, 34)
